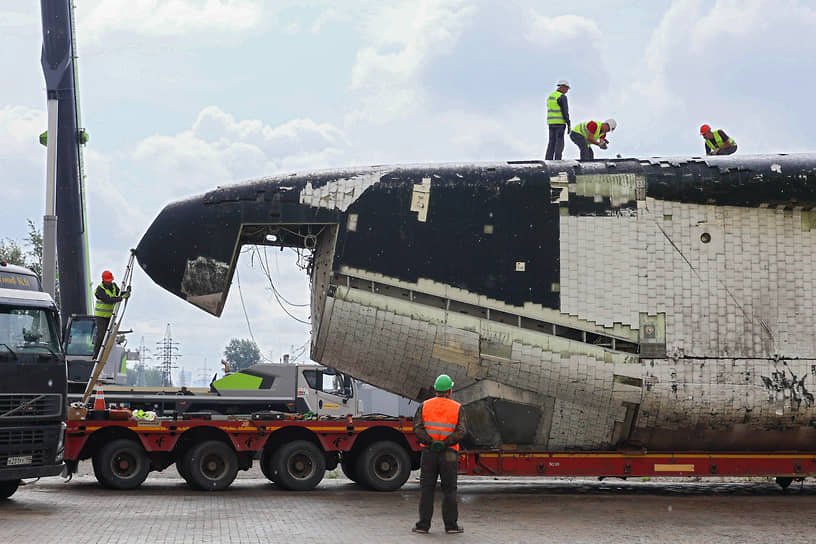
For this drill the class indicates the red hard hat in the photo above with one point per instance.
(704, 129)
(107, 275)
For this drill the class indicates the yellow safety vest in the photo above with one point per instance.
(103, 309)
(554, 114)
(718, 141)
(583, 131)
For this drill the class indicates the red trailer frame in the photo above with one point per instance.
(378, 453)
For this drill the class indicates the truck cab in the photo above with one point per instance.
(33, 385)
(291, 388)
(326, 392)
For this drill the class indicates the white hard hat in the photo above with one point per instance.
(612, 124)
(562, 82)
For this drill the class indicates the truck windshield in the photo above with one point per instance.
(27, 330)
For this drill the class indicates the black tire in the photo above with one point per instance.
(211, 465)
(182, 470)
(349, 467)
(783, 482)
(298, 466)
(384, 466)
(97, 470)
(8, 487)
(121, 464)
(266, 466)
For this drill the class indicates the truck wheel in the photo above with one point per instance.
(182, 470)
(783, 482)
(384, 466)
(266, 466)
(211, 465)
(349, 467)
(121, 464)
(8, 487)
(298, 466)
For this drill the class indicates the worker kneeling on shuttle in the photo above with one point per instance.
(439, 425)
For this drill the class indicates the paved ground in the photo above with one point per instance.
(339, 512)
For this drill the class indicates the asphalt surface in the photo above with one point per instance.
(338, 511)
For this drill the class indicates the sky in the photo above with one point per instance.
(180, 96)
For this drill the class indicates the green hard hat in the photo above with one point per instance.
(443, 383)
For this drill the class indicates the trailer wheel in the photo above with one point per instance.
(121, 464)
(182, 470)
(211, 465)
(8, 487)
(298, 466)
(384, 466)
(783, 482)
(349, 467)
(266, 466)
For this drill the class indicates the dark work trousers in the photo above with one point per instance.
(728, 150)
(555, 146)
(445, 465)
(101, 327)
(580, 141)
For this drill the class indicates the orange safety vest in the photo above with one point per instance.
(440, 416)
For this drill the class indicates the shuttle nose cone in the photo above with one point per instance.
(189, 252)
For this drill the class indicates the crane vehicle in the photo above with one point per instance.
(289, 388)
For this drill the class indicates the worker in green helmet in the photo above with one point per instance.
(439, 425)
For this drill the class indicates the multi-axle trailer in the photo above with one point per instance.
(375, 452)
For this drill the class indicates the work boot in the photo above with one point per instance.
(455, 529)
(420, 530)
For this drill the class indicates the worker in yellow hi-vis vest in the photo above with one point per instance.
(107, 295)
(439, 425)
(592, 133)
(558, 120)
(717, 141)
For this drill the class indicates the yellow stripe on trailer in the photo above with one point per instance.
(673, 468)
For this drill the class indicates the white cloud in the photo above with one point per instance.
(23, 163)
(403, 39)
(555, 31)
(167, 17)
(220, 149)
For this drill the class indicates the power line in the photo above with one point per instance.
(168, 355)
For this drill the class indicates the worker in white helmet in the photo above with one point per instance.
(592, 133)
(557, 120)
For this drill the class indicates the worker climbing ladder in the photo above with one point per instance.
(110, 333)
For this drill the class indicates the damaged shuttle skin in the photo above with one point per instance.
(659, 303)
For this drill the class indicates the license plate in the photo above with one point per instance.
(19, 460)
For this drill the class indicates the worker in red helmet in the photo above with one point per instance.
(717, 142)
(107, 295)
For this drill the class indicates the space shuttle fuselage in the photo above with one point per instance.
(659, 303)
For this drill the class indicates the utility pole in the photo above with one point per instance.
(167, 355)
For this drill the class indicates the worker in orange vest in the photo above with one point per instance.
(439, 425)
